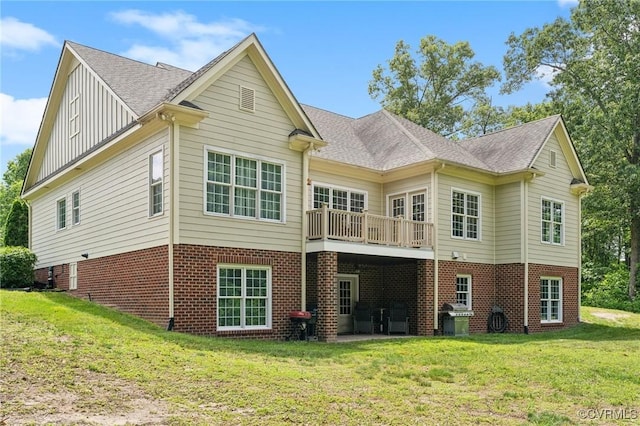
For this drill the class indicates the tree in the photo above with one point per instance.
(438, 92)
(11, 185)
(16, 228)
(594, 60)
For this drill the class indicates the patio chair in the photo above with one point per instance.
(398, 319)
(362, 318)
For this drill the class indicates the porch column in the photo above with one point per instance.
(327, 325)
(425, 283)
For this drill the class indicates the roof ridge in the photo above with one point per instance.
(506, 129)
(72, 43)
(331, 112)
(410, 135)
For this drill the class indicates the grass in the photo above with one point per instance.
(67, 361)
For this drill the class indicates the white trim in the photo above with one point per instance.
(408, 202)
(73, 276)
(258, 158)
(332, 187)
(57, 210)
(464, 229)
(560, 300)
(244, 267)
(149, 182)
(563, 223)
(73, 208)
(316, 246)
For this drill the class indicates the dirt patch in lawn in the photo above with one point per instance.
(611, 316)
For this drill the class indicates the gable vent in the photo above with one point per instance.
(553, 158)
(247, 99)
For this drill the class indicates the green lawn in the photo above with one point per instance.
(67, 361)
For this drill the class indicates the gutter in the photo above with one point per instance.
(173, 206)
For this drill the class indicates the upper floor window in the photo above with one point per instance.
(550, 299)
(74, 116)
(463, 290)
(156, 172)
(61, 214)
(244, 187)
(339, 198)
(552, 221)
(465, 215)
(411, 205)
(75, 207)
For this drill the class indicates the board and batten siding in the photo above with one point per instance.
(263, 134)
(476, 251)
(555, 186)
(114, 209)
(375, 203)
(409, 185)
(508, 210)
(99, 115)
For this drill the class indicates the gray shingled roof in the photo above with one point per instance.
(141, 86)
(512, 149)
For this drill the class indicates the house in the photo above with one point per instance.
(213, 202)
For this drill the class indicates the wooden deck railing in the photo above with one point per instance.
(331, 224)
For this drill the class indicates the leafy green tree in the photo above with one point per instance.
(594, 60)
(438, 91)
(16, 228)
(11, 185)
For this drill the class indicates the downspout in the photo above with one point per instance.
(303, 242)
(580, 255)
(525, 253)
(173, 179)
(434, 203)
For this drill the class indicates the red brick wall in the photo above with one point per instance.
(570, 296)
(327, 327)
(424, 297)
(510, 294)
(482, 289)
(400, 285)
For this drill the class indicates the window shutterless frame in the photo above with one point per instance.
(466, 215)
(156, 183)
(552, 213)
(61, 214)
(75, 207)
(550, 300)
(243, 297)
(338, 197)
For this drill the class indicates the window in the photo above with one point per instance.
(74, 116)
(156, 171)
(552, 222)
(397, 206)
(75, 207)
(244, 297)
(244, 187)
(409, 205)
(339, 198)
(463, 290)
(73, 276)
(61, 214)
(465, 215)
(550, 299)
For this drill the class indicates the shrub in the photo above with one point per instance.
(16, 228)
(16, 267)
(612, 291)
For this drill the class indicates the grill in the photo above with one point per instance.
(302, 325)
(455, 319)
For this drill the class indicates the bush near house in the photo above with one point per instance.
(16, 228)
(16, 267)
(611, 291)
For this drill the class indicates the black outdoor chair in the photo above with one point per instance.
(398, 319)
(362, 318)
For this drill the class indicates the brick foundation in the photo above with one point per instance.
(570, 296)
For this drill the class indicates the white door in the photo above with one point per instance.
(347, 298)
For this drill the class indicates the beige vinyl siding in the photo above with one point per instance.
(553, 185)
(410, 185)
(508, 223)
(375, 203)
(114, 209)
(263, 133)
(481, 251)
(100, 115)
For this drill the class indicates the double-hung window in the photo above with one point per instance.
(463, 290)
(244, 187)
(552, 222)
(550, 299)
(465, 215)
(75, 207)
(61, 213)
(156, 172)
(244, 297)
(339, 198)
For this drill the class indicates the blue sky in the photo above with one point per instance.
(325, 51)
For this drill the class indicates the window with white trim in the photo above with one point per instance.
(552, 227)
(410, 205)
(156, 172)
(550, 299)
(239, 186)
(339, 198)
(75, 207)
(73, 276)
(244, 297)
(463, 290)
(61, 214)
(465, 215)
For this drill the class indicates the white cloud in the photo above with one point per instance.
(545, 74)
(20, 119)
(15, 34)
(567, 3)
(187, 43)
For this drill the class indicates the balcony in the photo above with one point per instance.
(366, 228)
